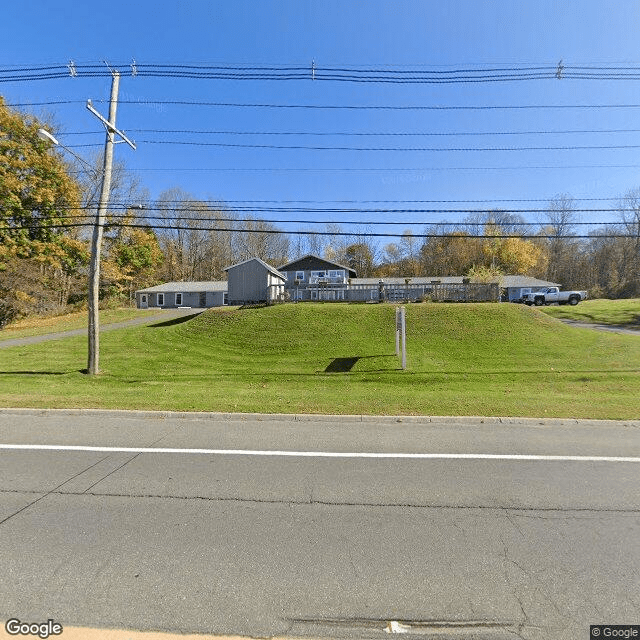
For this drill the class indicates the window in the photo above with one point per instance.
(160, 299)
(225, 298)
(178, 298)
(318, 274)
(299, 275)
(337, 274)
(144, 299)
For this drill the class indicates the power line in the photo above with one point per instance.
(252, 105)
(368, 234)
(256, 105)
(320, 73)
(197, 206)
(219, 202)
(383, 169)
(342, 148)
(360, 133)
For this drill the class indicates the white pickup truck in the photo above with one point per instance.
(553, 294)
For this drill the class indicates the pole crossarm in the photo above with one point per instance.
(109, 127)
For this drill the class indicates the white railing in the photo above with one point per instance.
(327, 280)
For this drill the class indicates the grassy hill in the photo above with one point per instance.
(613, 312)
(480, 359)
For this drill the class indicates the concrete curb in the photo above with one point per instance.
(286, 417)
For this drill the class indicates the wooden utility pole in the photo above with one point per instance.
(93, 365)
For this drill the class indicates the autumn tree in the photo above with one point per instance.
(261, 239)
(132, 258)
(180, 218)
(449, 252)
(39, 259)
(37, 195)
(360, 259)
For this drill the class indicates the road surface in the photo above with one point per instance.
(338, 527)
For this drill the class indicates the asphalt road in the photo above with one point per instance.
(268, 526)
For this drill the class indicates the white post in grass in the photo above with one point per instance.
(397, 331)
(403, 331)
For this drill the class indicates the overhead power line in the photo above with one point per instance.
(258, 105)
(367, 223)
(320, 73)
(527, 167)
(344, 148)
(367, 234)
(203, 206)
(380, 134)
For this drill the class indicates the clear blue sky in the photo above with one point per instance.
(371, 33)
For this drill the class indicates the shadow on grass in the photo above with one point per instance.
(344, 365)
(173, 321)
(36, 373)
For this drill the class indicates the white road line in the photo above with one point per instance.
(319, 454)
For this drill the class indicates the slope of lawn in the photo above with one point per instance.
(478, 359)
(612, 312)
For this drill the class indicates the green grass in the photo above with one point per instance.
(611, 312)
(38, 325)
(479, 359)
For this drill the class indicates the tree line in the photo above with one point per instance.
(47, 205)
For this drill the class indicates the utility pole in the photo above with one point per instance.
(96, 242)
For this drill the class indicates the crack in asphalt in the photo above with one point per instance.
(52, 491)
(524, 512)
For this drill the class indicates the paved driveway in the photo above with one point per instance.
(163, 315)
(615, 328)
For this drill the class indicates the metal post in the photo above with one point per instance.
(397, 331)
(403, 329)
(96, 241)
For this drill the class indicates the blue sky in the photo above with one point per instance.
(375, 33)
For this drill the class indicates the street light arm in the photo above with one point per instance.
(43, 134)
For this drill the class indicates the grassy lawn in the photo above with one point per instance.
(612, 312)
(37, 326)
(477, 359)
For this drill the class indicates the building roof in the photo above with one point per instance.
(412, 280)
(525, 281)
(268, 267)
(302, 264)
(186, 287)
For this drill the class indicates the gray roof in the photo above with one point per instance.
(412, 280)
(187, 287)
(313, 256)
(505, 281)
(268, 267)
(525, 281)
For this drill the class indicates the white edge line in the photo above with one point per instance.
(318, 454)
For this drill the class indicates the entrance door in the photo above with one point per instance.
(144, 303)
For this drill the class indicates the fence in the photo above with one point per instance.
(440, 292)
